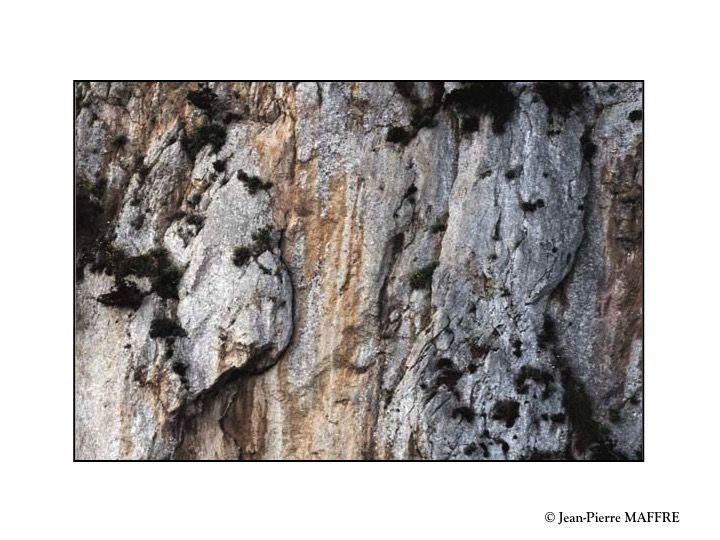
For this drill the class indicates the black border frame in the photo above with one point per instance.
(642, 360)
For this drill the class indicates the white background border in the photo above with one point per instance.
(46, 45)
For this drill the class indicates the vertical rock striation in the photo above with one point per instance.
(358, 271)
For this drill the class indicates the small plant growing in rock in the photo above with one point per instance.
(165, 283)
(506, 411)
(517, 347)
(491, 98)
(124, 295)
(399, 135)
(448, 377)
(263, 240)
(538, 376)
(635, 116)
(253, 183)
(162, 327)
(212, 134)
(231, 117)
(143, 170)
(195, 219)
(422, 116)
(155, 264)
(203, 98)
(422, 278)
(485, 450)
(241, 255)
(560, 97)
(406, 89)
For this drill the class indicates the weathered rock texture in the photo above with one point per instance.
(358, 271)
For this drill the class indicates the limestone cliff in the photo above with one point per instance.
(358, 271)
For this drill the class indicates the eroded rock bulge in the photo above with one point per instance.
(359, 271)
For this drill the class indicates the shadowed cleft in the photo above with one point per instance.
(548, 335)
(513, 173)
(532, 206)
(445, 363)
(587, 435)
(422, 278)
(589, 148)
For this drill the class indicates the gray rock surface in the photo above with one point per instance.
(469, 292)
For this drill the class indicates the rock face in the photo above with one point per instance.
(358, 271)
